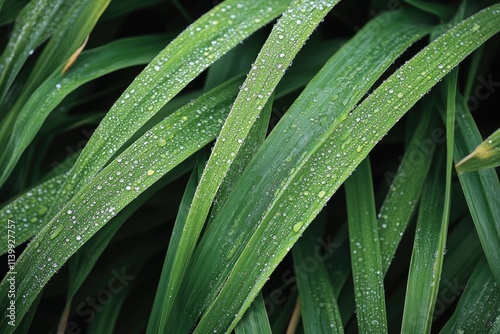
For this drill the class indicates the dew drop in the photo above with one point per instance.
(151, 172)
(42, 210)
(297, 227)
(56, 232)
(321, 194)
(162, 142)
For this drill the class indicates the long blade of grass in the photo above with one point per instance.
(398, 207)
(83, 261)
(119, 8)
(66, 43)
(157, 156)
(179, 63)
(156, 312)
(463, 254)
(206, 113)
(440, 10)
(366, 260)
(9, 10)
(36, 22)
(430, 239)
(478, 307)
(90, 65)
(486, 155)
(255, 319)
(33, 206)
(285, 41)
(322, 100)
(318, 300)
(159, 315)
(423, 278)
(359, 133)
(481, 189)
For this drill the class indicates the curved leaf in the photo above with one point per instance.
(486, 155)
(90, 65)
(312, 182)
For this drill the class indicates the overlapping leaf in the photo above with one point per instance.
(486, 155)
(90, 65)
(179, 63)
(285, 41)
(366, 259)
(314, 182)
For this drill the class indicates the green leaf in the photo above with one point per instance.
(172, 69)
(67, 38)
(366, 260)
(9, 10)
(463, 254)
(65, 44)
(90, 65)
(306, 192)
(255, 319)
(486, 155)
(157, 156)
(424, 275)
(479, 305)
(159, 315)
(318, 300)
(155, 320)
(285, 41)
(29, 210)
(432, 230)
(398, 207)
(295, 148)
(36, 22)
(84, 260)
(440, 10)
(481, 189)
(206, 113)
